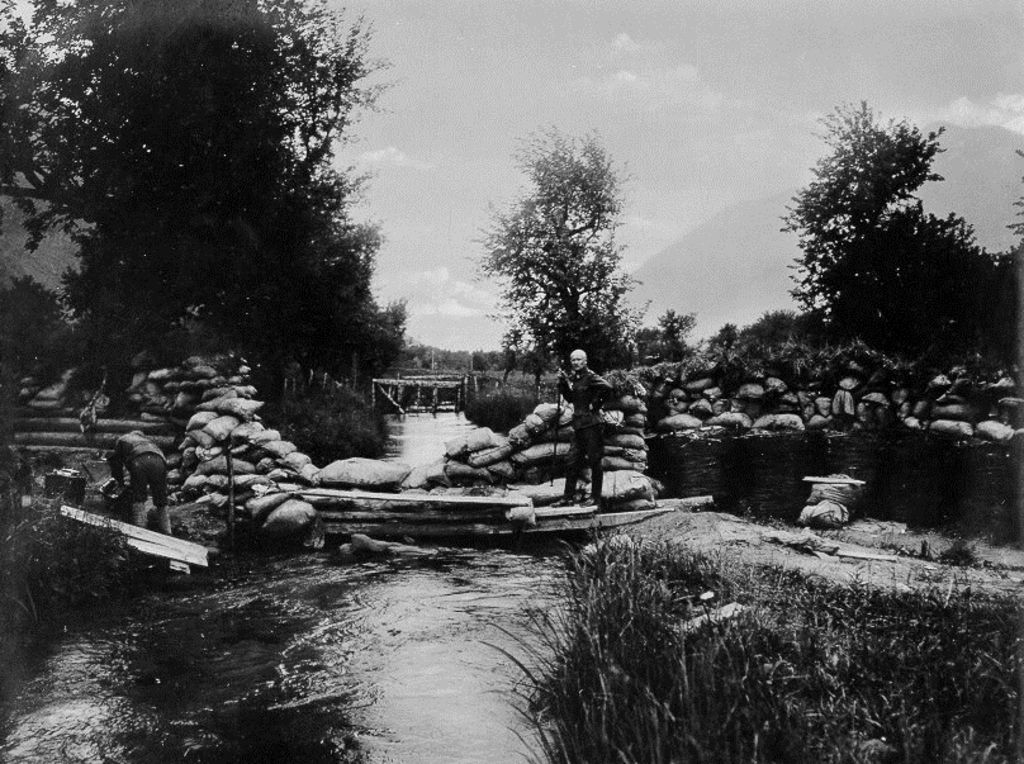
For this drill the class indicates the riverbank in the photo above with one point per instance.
(699, 638)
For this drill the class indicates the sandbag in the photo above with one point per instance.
(626, 441)
(627, 485)
(189, 460)
(244, 433)
(847, 494)
(994, 431)
(458, 473)
(425, 476)
(205, 453)
(678, 422)
(843, 403)
(219, 466)
(243, 408)
(701, 409)
(221, 427)
(825, 514)
(635, 420)
(541, 453)
(562, 435)
(489, 456)
(278, 449)
(949, 428)
(201, 438)
(548, 412)
(627, 404)
(699, 385)
(296, 460)
(614, 463)
(534, 424)
(779, 422)
(247, 481)
(502, 472)
(291, 518)
(212, 393)
(369, 474)
(734, 420)
(310, 474)
(818, 422)
(959, 412)
(475, 440)
(520, 436)
(200, 419)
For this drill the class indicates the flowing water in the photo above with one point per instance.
(299, 658)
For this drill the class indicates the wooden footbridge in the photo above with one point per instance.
(421, 394)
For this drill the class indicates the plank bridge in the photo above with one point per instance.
(420, 394)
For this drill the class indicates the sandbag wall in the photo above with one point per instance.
(47, 418)
(540, 446)
(953, 406)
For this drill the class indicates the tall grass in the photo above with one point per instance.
(50, 566)
(810, 672)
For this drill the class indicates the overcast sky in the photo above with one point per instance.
(703, 104)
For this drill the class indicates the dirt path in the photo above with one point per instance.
(996, 570)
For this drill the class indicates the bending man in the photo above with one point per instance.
(147, 469)
(587, 392)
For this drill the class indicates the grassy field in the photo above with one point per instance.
(808, 672)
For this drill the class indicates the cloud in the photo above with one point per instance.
(1003, 110)
(623, 43)
(654, 87)
(392, 156)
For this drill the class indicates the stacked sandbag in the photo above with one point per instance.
(260, 458)
(175, 393)
(849, 397)
(831, 503)
(40, 397)
(542, 441)
(625, 424)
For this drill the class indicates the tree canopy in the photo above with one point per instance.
(554, 253)
(875, 266)
(188, 148)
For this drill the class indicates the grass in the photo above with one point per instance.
(49, 567)
(810, 672)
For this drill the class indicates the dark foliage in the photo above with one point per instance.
(329, 425)
(501, 410)
(187, 147)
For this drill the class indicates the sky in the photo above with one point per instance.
(702, 105)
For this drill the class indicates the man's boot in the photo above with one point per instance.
(140, 515)
(163, 520)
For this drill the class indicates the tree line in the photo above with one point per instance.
(874, 266)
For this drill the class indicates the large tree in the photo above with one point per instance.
(875, 266)
(188, 148)
(554, 253)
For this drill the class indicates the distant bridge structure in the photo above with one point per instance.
(428, 392)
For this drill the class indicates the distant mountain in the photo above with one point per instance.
(737, 265)
(730, 269)
(982, 181)
(55, 255)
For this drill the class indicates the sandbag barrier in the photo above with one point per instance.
(539, 448)
(955, 406)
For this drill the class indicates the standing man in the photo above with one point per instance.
(587, 392)
(147, 469)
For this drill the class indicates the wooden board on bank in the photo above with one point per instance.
(143, 540)
(833, 480)
(425, 499)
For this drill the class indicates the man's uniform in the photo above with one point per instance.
(147, 468)
(587, 392)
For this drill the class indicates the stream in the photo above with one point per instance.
(296, 657)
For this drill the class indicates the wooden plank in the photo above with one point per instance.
(73, 424)
(153, 542)
(435, 530)
(850, 554)
(415, 518)
(80, 440)
(544, 512)
(448, 530)
(511, 500)
(833, 480)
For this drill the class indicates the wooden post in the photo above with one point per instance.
(231, 500)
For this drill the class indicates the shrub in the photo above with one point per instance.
(501, 410)
(330, 424)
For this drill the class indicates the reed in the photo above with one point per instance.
(808, 672)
